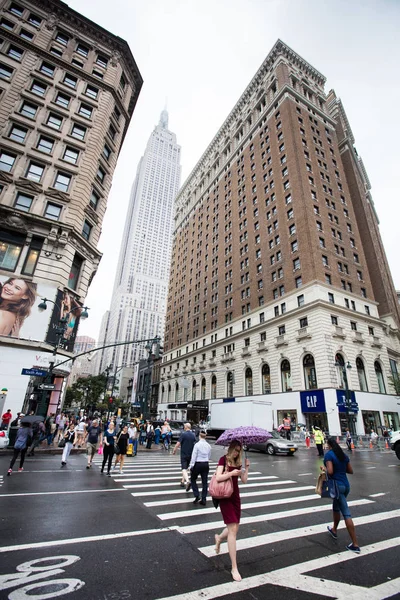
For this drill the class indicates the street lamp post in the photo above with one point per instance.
(60, 331)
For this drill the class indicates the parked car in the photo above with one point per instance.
(176, 428)
(395, 442)
(275, 445)
(4, 439)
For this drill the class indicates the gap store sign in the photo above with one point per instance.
(313, 401)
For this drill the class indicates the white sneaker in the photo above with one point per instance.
(121, 471)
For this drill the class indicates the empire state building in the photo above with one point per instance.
(141, 285)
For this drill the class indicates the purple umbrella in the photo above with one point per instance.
(244, 435)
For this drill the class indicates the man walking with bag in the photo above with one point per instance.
(199, 465)
(186, 443)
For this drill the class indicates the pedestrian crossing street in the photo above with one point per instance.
(283, 522)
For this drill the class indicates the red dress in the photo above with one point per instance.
(230, 507)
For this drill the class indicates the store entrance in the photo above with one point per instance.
(371, 420)
(316, 420)
(391, 420)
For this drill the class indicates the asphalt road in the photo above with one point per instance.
(76, 533)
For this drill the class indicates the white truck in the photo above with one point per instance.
(228, 413)
(395, 442)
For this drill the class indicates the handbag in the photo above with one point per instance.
(221, 489)
(100, 450)
(61, 443)
(327, 488)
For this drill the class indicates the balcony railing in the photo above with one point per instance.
(227, 357)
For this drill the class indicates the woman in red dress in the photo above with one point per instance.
(231, 466)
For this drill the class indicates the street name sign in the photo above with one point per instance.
(34, 372)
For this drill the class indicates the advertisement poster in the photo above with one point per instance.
(69, 311)
(19, 314)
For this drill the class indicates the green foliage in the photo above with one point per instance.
(395, 383)
(87, 393)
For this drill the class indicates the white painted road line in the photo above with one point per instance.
(267, 517)
(139, 478)
(181, 491)
(280, 536)
(176, 482)
(82, 540)
(190, 513)
(293, 577)
(377, 495)
(303, 474)
(63, 492)
(242, 495)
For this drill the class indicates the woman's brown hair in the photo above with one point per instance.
(234, 461)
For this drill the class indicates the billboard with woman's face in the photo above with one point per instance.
(19, 314)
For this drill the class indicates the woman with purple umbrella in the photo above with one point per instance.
(230, 466)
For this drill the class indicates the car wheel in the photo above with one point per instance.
(397, 450)
(270, 449)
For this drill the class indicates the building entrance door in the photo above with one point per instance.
(372, 421)
(316, 420)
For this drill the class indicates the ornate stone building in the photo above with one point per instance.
(68, 89)
(279, 280)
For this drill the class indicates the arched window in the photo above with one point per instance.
(169, 393)
(176, 391)
(203, 388)
(214, 386)
(162, 394)
(339, 364)
(248, 382)
(286, 376)
(266, 379)
(194, 391)
(310, 374)
(362, 380)
(379, 376)
(229, 385)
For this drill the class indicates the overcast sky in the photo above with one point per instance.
(201, 55)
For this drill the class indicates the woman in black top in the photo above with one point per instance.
(70, 438)
(122, 443)
(108, 451)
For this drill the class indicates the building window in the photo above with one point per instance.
(23, 202)
(54, 121)
(303, 322)
(266, 379)
(26, 35)
(102, 61)
(62, 181)
(112, 132)
(334, 320)
(78, 132)
(71, 155)
(379, 377)
(286, 376)
(203, 388)
(15, 52)
(213, 386)
(45, 144)
(92, 91)
(6, 161)
(77, 63)
(9, 255)
(300, 300)
(87, 230)
(248, 382)
(34, 20)
(18, 134)
(100, 174)
(35, 172)
(29, 110)
(7, 24)
(53, 211)
(362, 380)
(310, 374)
(38, 88)
(16, 9)
(82, 50)
(63, 100)
(85, 111)
(94, 200)
(5, 72)
(296, 264)
(339, 364)
(106, 152)
(331, 298)
(97, 73)
(75, 272)
(62, 38)
(328, 279)
(229, 384)
(56, 51)
(70, 80)
(298, 281)
(47, 69)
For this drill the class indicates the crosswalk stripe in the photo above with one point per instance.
(280, 536)
(267, 517)
(180, 491)
(190, 513)
(139, 478)
(174, 483)
(242, 495)
(294, 574)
